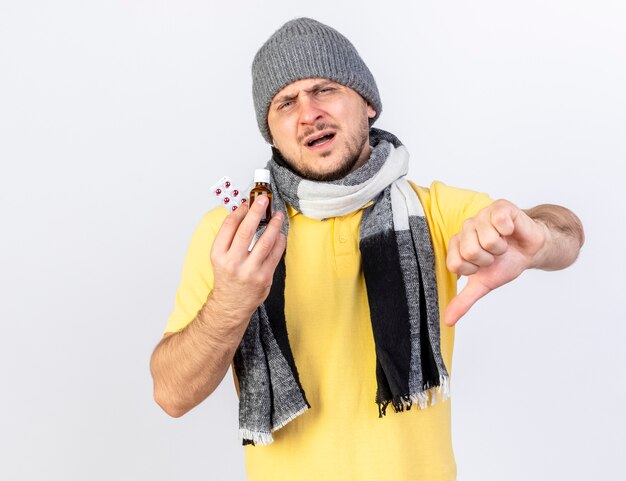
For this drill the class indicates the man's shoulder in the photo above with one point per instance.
(449, 206)
(426, 193)
(216, 215)
(438, 192)
(434, 185)
(211, 221)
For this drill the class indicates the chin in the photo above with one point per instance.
(329, 175)
(331, 165)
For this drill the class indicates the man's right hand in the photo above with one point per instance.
(243, 278)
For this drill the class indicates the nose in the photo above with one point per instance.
(310, 111)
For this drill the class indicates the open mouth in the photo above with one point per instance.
(320, 140)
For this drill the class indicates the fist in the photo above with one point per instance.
(492, 248)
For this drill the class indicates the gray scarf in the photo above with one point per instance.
(399, 269)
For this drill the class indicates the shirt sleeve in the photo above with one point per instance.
(197, 277)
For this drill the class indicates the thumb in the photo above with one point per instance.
(465, 299)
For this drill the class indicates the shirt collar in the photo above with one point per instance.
(291, 211)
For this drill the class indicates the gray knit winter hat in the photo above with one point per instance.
(305, 48)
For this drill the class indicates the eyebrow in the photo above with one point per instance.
(317, 86)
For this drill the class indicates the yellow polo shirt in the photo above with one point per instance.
(341, 438)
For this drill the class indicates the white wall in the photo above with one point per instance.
(116, 117)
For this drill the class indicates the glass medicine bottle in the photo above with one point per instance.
(262, 187)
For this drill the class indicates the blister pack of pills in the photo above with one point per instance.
(227, 194)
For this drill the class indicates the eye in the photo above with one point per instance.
(284, 105)
(327, 89)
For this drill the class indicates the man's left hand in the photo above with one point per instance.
(492, 248)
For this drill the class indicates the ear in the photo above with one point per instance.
(371, 113)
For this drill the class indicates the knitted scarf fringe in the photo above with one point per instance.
(422, 399)
(264, 438)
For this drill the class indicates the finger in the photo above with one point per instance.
(510, 220)
(227, 230)
(471, 250)
(265, 243)
(455, 261)
(272, 260)
(490, 239)
(528, 231)
(465, 299)
(502, 218)
(246, 230)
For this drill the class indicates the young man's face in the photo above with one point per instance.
(321, 128)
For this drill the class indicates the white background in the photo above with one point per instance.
(116, 117)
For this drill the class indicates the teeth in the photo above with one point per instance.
(320, 140)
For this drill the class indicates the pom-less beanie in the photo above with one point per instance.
(305, 48)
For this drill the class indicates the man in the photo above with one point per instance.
(347, 299)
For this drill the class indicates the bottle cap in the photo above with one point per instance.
(262, 175)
